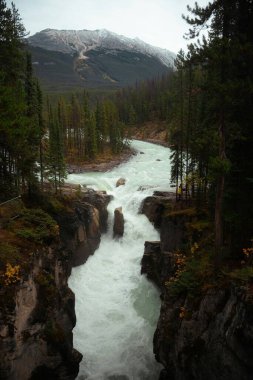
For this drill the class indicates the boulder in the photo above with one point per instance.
(118, 226)
(120, 182)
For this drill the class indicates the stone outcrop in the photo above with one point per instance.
(207, 338)
(120, 182)
(37, 314)
(157, 265)
(36, 331)
(118, 225)
(81, 228)
(100, 200)
(213, 340)
(154, 206)
(76, 235)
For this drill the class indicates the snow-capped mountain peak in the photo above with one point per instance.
(81, 41)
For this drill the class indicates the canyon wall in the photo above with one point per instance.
(37, 314)
(206, 337)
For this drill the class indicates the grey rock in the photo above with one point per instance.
(118, 226)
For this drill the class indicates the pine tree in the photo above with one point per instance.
(32, 129)
(56, 162)
(91, 136)
(41, 128)
(13, 121)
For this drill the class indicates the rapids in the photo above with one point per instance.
(117, 308)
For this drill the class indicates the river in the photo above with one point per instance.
(117, 308)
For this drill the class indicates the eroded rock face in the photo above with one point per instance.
(215, 340)
(81, 228)
(38, 314)
(210, 339)
(153, 207)
(120, 182)
(36, 334)
(99, 200)
(157, 265)
(118, 226)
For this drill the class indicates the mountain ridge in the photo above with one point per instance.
(72, 41)
(98, 58)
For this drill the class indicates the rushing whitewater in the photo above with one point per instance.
(117, 308)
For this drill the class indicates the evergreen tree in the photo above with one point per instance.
(41, 127)
(92, 148)
(56, 162)
(32, 129)
(18, 127)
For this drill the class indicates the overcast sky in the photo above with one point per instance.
(157, 22)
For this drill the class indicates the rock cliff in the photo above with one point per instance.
(80, 230)
(37, 314)
(208, 337)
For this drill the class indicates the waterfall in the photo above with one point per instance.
(117, 308)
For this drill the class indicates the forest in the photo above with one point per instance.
(206, 103)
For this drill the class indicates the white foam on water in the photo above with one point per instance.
(117, 308)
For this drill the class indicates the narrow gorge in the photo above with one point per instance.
(117, 308)
(84, 311)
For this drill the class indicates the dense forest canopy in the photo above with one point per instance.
(206, 102)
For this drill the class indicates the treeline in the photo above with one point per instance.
(76, 132)
(211, 121)
(88, 131)
(149, 100)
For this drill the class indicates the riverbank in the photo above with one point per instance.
(154, 132)
(102, 163)
(150, 132)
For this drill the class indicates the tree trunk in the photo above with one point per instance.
(218, 216)
(220, 189)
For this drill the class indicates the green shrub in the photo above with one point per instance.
(8, 253)
(193, 278)
(37, 226)
(243, 274)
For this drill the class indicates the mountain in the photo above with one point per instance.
(67, 59)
